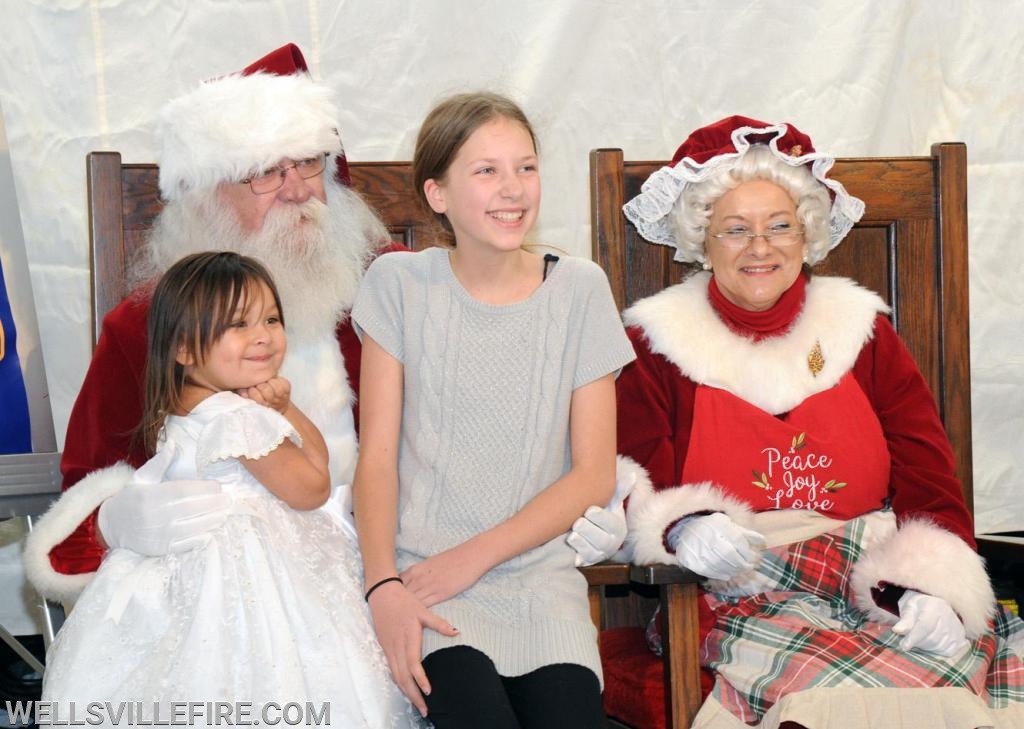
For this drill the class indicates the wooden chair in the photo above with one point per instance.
(910, 247)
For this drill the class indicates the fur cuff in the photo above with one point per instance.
(57, 524)
(924, 557)
(651, 512)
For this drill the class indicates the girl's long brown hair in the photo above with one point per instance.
(192, 305)
(446, 129)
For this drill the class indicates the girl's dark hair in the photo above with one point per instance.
(192, 305)
(446, 129)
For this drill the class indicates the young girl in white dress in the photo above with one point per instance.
(270, 610)
(487, 428)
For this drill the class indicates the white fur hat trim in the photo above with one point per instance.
(234, 125)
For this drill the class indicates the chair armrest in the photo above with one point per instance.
(606, 573)
(678, 594)
(621, 573)
(662, 574)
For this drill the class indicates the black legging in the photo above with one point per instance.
(468, 693)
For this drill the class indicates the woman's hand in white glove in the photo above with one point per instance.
(928, 623)
(715, 546)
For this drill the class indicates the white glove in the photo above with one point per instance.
(155, 519)
(928, 623)
(715, 546)
(599, 533)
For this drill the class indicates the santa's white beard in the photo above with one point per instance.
(316, 253)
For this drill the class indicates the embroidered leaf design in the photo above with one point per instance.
(762, 480)
(756, 474)
(834, 485)
(798, 442)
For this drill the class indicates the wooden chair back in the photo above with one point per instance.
(124, 199)
(910, 247)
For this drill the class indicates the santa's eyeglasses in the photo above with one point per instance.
(272, 179)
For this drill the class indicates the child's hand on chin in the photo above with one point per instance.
(274, 393)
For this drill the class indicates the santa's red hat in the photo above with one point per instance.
(232, 126)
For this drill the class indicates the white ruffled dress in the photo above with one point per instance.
(269, 611)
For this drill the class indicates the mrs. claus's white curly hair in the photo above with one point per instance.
(692, 212)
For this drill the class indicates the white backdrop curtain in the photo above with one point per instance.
(878, 77)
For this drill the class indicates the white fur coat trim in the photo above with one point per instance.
(772, 374)
(651, 512)
(57, 524)
(924, 557)
(231, 126)
(320, 388)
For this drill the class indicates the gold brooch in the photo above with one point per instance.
(816, 360)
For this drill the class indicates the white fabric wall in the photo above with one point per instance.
(862, 78)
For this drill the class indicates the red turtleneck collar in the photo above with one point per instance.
(760, 325)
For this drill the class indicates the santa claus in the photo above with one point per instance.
(242, 167)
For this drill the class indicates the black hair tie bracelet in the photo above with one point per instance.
(385, 581)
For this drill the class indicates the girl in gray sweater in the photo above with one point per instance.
(487, 427)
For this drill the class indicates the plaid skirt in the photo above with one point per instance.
(802, 632)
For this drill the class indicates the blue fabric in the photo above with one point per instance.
(15, 431)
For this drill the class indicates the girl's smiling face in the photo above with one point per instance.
(250, 351)
(491, 191)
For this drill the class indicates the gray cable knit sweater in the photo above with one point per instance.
(485, 428)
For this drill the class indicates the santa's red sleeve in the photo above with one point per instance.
(100, 454)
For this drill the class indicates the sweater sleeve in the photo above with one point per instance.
(604, 347)
(348, 339)
(379, 306)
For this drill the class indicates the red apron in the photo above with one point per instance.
(827, 454)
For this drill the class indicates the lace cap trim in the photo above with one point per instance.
(649, 211)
